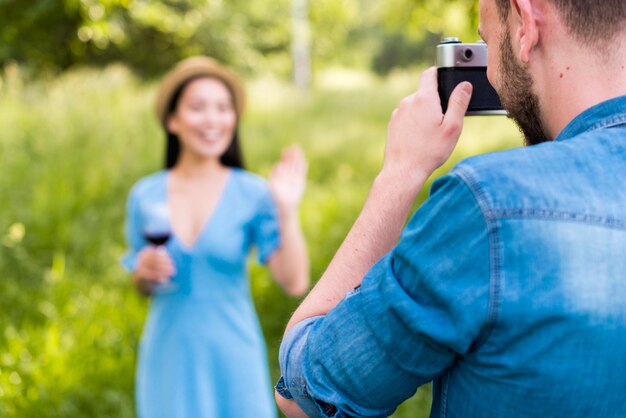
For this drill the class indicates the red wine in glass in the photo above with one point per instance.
(157, 231)
(157, 238)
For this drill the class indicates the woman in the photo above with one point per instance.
(202, 353)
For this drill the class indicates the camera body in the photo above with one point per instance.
(457, 62)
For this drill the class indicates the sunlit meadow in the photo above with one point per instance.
(72, 147)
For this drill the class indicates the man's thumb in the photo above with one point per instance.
(459, 101)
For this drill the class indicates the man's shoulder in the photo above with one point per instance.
(583, 174)
(494, 165)
(515, 177)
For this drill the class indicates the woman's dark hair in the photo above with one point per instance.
(232, 156)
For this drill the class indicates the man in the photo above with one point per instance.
(507, 289)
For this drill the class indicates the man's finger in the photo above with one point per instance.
(458, 103)
(428, 82)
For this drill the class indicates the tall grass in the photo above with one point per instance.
(72, 147)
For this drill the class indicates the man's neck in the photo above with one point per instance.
(576, 79)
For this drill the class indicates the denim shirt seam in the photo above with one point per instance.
(444, 395)
(465, 175)
(584, 123)
(615, 120)
(558, 215)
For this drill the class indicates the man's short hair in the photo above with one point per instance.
(594, 23)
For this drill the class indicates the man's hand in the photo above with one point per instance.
(420, 138)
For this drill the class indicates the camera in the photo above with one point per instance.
(457, 62)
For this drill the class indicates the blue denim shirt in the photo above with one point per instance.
(507, 289)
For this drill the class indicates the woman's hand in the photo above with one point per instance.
(290, 264)
(154, 266)
(287, 179)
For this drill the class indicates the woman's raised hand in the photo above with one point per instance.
(287, 179)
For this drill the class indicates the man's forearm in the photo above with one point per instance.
(419, 140)
(374, 233)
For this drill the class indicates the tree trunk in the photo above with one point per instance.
(301, 45)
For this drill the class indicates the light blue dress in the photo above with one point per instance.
(202, 352)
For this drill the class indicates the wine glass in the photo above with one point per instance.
(157, 231)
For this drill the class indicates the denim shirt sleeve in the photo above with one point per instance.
(419, 308)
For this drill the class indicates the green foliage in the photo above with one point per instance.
(412, 28)
(147, 35)
(72, 147)
(253, 36)
(67, 348)
(397, 50)
(420, 17)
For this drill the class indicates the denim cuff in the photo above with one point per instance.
(282, 390)
(292, 384)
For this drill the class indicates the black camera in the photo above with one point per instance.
(457, 62)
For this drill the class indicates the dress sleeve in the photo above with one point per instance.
(265, 226)
(134, 236)
(418, 308)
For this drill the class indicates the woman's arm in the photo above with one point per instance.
(290, 263)
(148, 265)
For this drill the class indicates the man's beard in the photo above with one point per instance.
(517, 96)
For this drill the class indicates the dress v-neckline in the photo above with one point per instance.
(207, 221)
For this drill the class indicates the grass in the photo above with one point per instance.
(72, 147)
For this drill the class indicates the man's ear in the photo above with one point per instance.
(525, 27)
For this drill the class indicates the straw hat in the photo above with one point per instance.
(190, 68)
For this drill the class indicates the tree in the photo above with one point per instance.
(301, 50)
(148, 35)
(250, 35)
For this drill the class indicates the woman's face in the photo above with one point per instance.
(204, 119)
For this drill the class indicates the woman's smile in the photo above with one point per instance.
(205, 118)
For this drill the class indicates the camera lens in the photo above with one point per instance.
(468, 54)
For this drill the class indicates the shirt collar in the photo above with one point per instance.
(603, 115)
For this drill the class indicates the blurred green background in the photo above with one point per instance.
(77, 84)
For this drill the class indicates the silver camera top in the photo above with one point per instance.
(452, 53)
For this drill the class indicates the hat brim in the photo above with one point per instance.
(191, 68)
